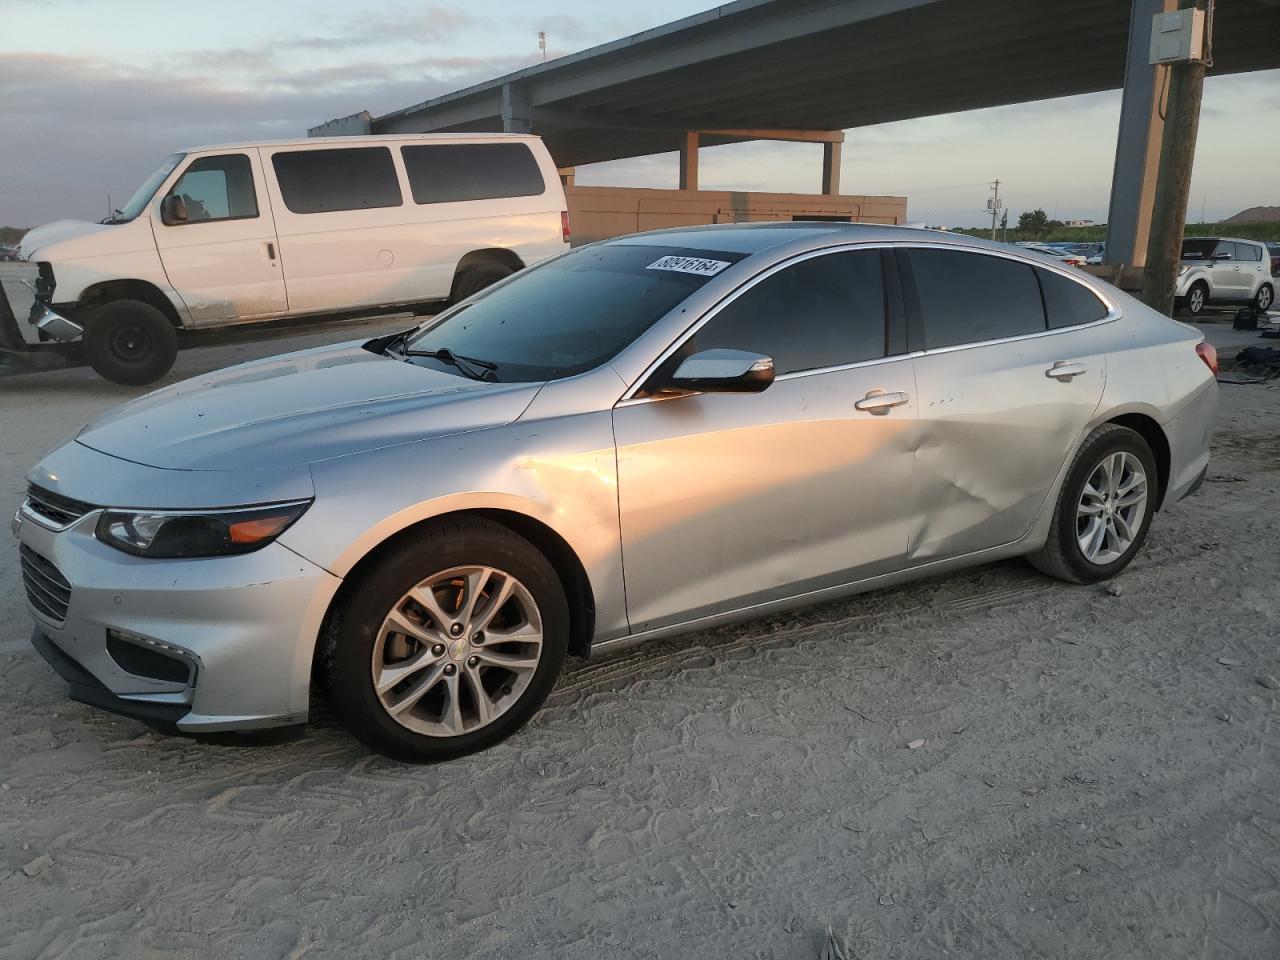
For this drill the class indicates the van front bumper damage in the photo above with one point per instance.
(53, 324)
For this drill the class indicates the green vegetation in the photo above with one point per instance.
(1098, 232)
(9, 236)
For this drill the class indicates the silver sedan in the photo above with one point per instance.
(643, 437)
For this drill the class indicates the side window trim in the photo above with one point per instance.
(630, 394)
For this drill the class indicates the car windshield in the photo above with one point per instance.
(1198, 249)
(568, 315)
(142, 196)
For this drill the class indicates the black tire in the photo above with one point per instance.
(347, 648)
(1265, 298)
(476, 278)
(130, 342)
(1062, 556)
(1195, 305)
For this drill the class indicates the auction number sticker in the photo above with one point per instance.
(704, 268)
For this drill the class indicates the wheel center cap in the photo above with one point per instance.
(459, 648)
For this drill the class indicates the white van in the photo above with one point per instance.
(321, 227)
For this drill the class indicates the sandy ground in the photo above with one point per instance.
(1099, 776)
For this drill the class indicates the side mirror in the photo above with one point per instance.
(173, 210)
(722, 371)
(1222, 255)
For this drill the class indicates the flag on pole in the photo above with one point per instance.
(1004, 221)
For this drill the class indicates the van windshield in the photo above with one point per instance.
(142, 196)
(566, 316)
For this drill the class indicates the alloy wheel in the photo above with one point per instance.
(1265, 296)
(457, 651)
(1111, 509)
(1195, 299)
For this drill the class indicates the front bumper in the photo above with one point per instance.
(48, 321)
(247, 625)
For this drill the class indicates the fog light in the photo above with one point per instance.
(144, 657)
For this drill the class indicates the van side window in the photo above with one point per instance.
(218, 188)
(444, 173)
(1067, 302)
(351, 178)
(971, 297)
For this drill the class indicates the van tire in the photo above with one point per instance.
(476, 278)
(130, 342)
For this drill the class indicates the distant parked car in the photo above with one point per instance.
(8, 254)
(1223, 270)
(1273, 248)
(1072, 259)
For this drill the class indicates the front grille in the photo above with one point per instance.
(58, 510)
(47, 589)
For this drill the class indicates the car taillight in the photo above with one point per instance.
(1209, 354)
(564, 225)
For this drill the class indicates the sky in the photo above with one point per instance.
(95, 93)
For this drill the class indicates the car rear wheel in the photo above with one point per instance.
(1265, 297)
(1197, 298)
(450, 644)
(130, 342)
(1104, 509)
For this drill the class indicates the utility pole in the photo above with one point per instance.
(542, 44)
(1173, 184)
(994, 206)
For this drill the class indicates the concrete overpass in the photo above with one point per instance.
(808, 69)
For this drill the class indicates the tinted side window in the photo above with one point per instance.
(321, 181)
(971, 297)
(1068, 303)
(1248, 252)
(821, 312)
(471, 171)
(218, 188)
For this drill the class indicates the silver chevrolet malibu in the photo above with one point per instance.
(643, 437)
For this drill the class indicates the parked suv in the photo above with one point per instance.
(295, 228)
(1224, 270)
(1273, 248)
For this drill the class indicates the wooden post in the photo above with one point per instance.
(1173, 184)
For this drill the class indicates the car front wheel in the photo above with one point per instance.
(1104, 509)
(449, 644)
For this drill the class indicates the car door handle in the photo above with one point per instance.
(1064, 370)
(270, 249)
(878, 401)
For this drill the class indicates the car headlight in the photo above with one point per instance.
(193, 533)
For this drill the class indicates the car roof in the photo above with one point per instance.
(752, 238)
(1231, 239)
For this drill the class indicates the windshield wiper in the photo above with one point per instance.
(468, 366)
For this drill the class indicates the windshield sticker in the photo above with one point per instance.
(703, 268)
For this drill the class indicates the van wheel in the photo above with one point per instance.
(449, 643)
(474, 279)
(130, 342)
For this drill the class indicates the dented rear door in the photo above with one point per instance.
(998, 417)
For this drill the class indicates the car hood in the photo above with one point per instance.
(299, 408)
(36, 239)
